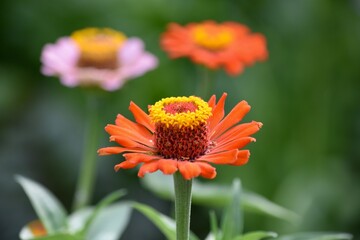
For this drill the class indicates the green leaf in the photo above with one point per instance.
(165, 224)
(213, 226)
(59, 236)
(102, 204)
(256, 235)
(232, 220)
(77, 220)
(48, 208)
(110, 222)
(26, 234)
(213, 195)
(256, 203)
(316, 236)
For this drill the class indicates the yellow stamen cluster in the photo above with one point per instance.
(181, 119)
(212, 37)
(98, 44)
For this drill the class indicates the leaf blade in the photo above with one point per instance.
(48, 208)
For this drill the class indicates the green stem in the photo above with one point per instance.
(86, 179)
(182, 206)
(204, 85)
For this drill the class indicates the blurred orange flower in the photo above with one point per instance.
(227, 45)
(37, 228)
(183, 134)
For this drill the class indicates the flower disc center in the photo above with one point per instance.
(180, 107)
(212, 37)
(98, 47)
(181, 130)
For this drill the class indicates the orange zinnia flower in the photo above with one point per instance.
(229, 45)
(183, 134)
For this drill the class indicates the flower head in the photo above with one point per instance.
(228, 45)
(96, 57)
(183, 134)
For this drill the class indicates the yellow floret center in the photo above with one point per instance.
(180, 112)
(98, 46)
(212, 37)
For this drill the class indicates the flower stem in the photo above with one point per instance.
(182, 206)
(86, 179)
(204, 86)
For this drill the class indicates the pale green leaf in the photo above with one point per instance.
(102, 204)
(110, 222)
(316, 236)
(213, 226)
(77, 220)
(256, 235)
(213, 195)
(26, 234)
(165, 224)
(48, 208)
(232, 221)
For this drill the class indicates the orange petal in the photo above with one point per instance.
(111, 150)
(217, 113)
(139, 157)
(125, 165)
(123, 122)
(130, 133)
(235, 144)
(207, 171)
(128, 143)
(212, 101)
(225, 157)
(241, 158)
(141, 117)
(116, 150)
(235, 116)
(149, 167)
(242, 130)
(234, 68)
(188, 169)
(168, 166)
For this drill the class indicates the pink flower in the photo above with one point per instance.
(96, 57)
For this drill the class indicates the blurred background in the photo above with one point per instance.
(307, 155)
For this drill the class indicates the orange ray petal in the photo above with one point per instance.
(139, 157)
(241, 158)
(141, 117)
(168, 166)
(188, 169)
(217, 113)
(235, 116)
(207, 171)
(123, 122)
(242, 130)
(225, 157)
(111, 150)
(116, 150)
(235, 144)
(148, 167)
(129, 133)
(125, 165)
(212, 101)
(128, 143)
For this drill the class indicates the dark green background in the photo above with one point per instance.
(307, 95)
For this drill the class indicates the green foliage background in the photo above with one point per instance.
(307, 156)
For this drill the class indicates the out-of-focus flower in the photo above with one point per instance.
(37, 229)
(96, 57)
(228, 45)
(183, 134)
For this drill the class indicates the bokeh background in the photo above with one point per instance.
(307, 157)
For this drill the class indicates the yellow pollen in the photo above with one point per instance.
(98, 45)
(189, 118)
(213, 37)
